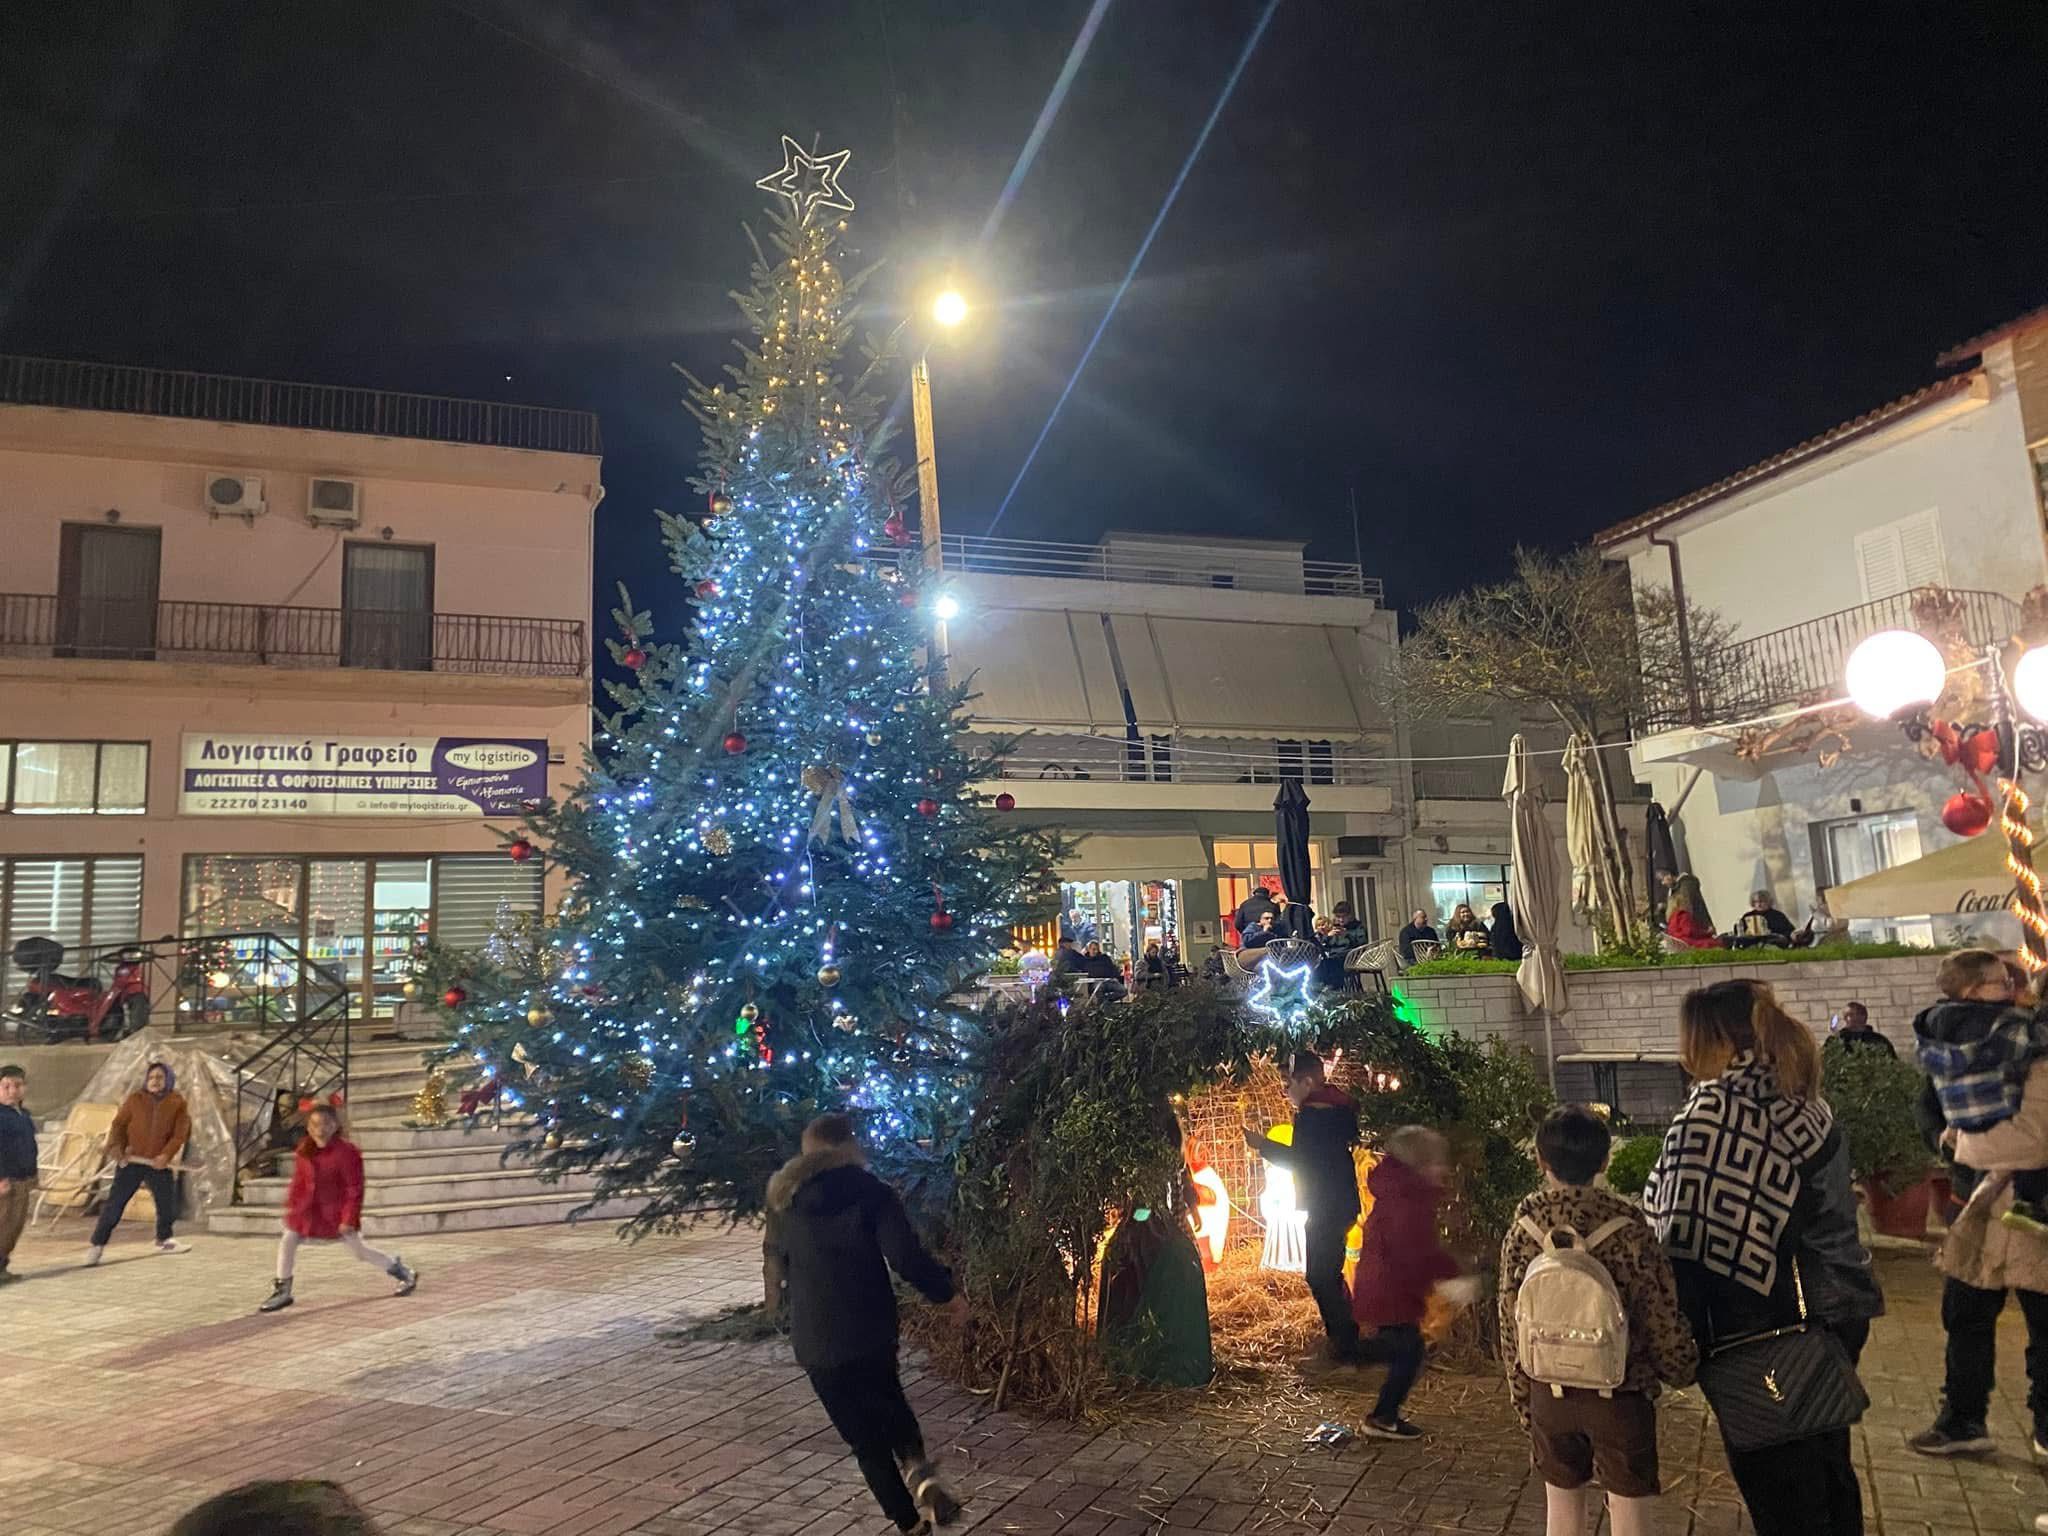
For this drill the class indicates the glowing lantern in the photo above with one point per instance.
(1286, 1246)
(1212, 1214)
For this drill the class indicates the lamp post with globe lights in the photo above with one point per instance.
(948, 312)
(1899, 675)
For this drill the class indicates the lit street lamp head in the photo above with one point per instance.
(950, 308)
(945, 607)
(1895, 670)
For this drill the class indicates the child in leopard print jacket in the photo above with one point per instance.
(1576, 1434)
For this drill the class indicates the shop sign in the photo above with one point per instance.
(254, 775)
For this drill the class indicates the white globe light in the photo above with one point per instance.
(945, 607)
(950, 308)
(2030, 682)
(1895, 670)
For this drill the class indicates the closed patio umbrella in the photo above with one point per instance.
(1290, 829)
(1663, 852)
(1532, 894)
(1581, 823)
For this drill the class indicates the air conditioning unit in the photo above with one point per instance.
(334, 503)
(230, 493)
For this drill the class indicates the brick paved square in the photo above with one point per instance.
(525, 1390)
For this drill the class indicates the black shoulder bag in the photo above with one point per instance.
(1781, 1384)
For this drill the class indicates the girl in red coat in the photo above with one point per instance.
(325, 1203)
(1400, 1263)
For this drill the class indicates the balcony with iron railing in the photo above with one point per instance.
(41, 625)
(1804, 663)
(1158, 760)
(1190, 564)
(79, 386)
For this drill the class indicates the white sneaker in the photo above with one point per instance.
(94, 1254)
(172, 1245)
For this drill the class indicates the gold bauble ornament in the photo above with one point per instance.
(874, 738)
(411, 988)
(552, 1140)
(537, 1016)
(717, 841)
(828, 975)
(749, 1012)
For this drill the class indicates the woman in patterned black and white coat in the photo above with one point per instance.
(1752, 1200)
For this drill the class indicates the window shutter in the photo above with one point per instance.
(1920, 551)
(470, 890)
(1881, 563)
(45, 900)
(116, 912)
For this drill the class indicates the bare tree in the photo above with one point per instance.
(1565, 634)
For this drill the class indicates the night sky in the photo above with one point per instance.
(1511, 271)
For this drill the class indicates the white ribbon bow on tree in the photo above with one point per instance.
(829, 785)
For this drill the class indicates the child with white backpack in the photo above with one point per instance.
(1589, 1328)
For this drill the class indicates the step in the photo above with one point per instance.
(541, 1206)
(435, 1189)
(406, 1138)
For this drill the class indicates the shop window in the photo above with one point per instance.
(1855, 846)
(1481, 885)
(87, 905)
(74, 778)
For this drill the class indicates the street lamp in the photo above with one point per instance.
(949, 311)
(1895, 669)
(946, 608)
(950, 308)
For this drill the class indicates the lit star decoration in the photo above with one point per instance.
(1283, 991)
(810, 182)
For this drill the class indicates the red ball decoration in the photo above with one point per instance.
(1006, 801)
(519, 850)
(707, 588)
(634, 658)
(1966, 815)
(455, 997)
(941, 920)
(907, 597)
(927, 807)
(735, 743)
(895, 529)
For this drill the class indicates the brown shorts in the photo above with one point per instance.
(1583, 1435)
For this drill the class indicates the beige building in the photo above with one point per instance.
(280, 657)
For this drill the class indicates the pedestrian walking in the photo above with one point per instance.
(17, 1164)
(1319, 1155)
(149, 1131)
(834, 1233)
(325, 1204)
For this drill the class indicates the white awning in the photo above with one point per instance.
(1036, 667)
(1966, 878)
(1262, 681)
(1145, 671)
(1140, 856)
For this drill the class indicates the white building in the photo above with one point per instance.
(1158, 689)
(1806, 554)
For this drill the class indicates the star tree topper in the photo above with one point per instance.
(810, 182)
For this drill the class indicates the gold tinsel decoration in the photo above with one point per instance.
(638, 1071)
(717, 842)
(430, 1104)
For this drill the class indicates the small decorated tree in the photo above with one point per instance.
(779, 871)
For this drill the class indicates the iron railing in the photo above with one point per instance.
(1804, 663)
(1158, 761)
(1188, 564)
(77, 386)
(249, 634)
(261, 982)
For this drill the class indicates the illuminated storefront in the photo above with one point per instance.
(1242, 867)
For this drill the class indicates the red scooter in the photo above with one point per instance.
(59, 1007)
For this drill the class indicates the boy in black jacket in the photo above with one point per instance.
(834, 1232)
(17, 1163)
(1325, 1184)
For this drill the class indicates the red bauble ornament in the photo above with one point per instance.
(927, 807)
(519, 850)
(1006, 801)
(707, 588)
(455, 997)
(735, 743)
(941, 920)
(1966, 814)
(895, 529)
(634, 658)
(907, 597)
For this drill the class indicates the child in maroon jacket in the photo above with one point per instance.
(325, 1204)
(1400, 1263)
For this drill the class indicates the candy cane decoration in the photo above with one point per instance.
(2027, 904)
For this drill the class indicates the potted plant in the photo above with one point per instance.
(1873, 1096)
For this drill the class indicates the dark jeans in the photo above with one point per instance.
(130, 1176)
(1324, 1247)
(1399, 1347)
(865, 1403)
(1805, 1488)
(1970, 1316)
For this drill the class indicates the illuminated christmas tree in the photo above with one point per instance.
(779, 869)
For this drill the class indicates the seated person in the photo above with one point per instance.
(1097, 966)
(1763, 926)
(1505, 943)
(1686, 923)
(1467, 935)
(1350, 931)
(1152, 970)
(1417, 931)
(1248, 910)
(1067, 960)
(1263, 932)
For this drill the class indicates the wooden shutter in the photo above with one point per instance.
(1920, 550)
(1880, 563)
(1900, 556)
